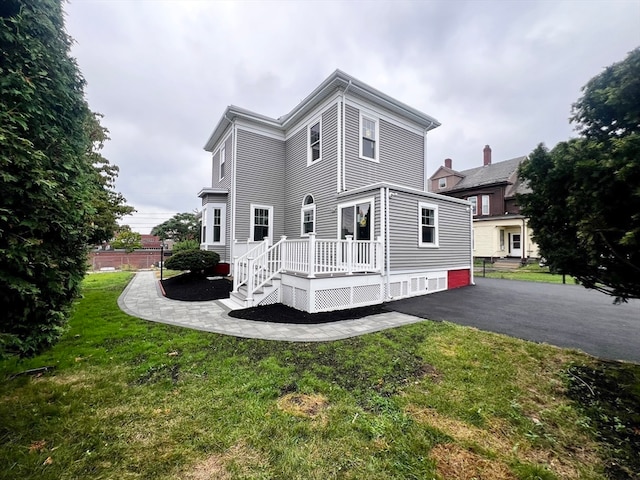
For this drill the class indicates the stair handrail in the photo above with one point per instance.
(240, 275)
(264, 267)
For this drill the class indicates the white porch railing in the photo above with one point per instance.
(309, 257)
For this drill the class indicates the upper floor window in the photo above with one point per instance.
(314, 141)
(223, 155)
(307, 216)
(428, 225)
(442, 182)
(485, 205)
(474, 205)
(368, 137)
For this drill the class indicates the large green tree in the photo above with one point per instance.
(584, 208)
(52, 183)
(180, 227)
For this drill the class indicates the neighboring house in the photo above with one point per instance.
(326, 207)
(499, 229)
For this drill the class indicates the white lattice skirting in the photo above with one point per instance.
(338, 293)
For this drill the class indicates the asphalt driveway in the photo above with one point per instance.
(563, 315)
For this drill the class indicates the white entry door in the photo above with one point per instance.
(516, 245)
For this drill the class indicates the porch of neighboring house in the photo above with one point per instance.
(506, 237)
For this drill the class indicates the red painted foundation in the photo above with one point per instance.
(458, 278)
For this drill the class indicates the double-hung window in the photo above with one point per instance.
(442, 183)
(314, 141)
(223, 159)
(368, 137)
(261, 222)
(213, 223)
(485, 204)
(428, 225)
(474, 205)
(217, 225)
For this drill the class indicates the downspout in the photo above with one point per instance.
(339, 152)
(471, 244)
(383, 231)
(387, 242)
(344, 138)
(234, 156)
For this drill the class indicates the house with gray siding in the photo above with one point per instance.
(327, 207)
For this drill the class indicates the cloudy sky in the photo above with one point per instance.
(503, 73)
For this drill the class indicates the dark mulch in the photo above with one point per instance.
(279, 313)
(192, 288)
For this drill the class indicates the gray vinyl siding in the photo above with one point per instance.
(453, 232)
(401, 155)
(215, 176)
(260, 180)
(318, 179)
(223, 250)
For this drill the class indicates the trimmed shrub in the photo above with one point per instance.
(196, 261)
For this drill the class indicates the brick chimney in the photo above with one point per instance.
(487, 155)
(447, 163)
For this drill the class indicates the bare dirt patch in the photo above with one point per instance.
(455, 463)
(302, 405)
(242, 458)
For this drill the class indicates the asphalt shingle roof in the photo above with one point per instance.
(489, 174)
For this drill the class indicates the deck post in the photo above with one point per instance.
(250, 279)
(349, 254)
(379, 255)
(311, 261)
(235, 274)
(283, 252)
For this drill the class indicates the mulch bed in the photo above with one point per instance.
(190, 288)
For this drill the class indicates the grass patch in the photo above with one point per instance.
(133, 399)
(527, 273)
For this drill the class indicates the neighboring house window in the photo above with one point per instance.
(502, 240)
(442, 183)
(213, 223)
(223, 154)
(474, 204)
(428, 224)
(485, 204)
(314, 135)
(261, 222)
(368, 137)
(307, 216)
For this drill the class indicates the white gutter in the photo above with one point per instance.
(344, 138)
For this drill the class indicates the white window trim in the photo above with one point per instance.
(485, 203)
(375, 118)
(208, 219)
(306, 208)
(222, 160)
(252, 222)
(311, 124)
(442, 183)
(436, 234)
(472, 205)
(353, 203)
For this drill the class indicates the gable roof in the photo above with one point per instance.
(337, 80)
(500, 172)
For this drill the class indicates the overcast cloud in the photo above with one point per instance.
(503, 73)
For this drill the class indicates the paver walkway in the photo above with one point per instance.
(142, 298)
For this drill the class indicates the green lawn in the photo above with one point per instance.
(130, 399)
(529, 273)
